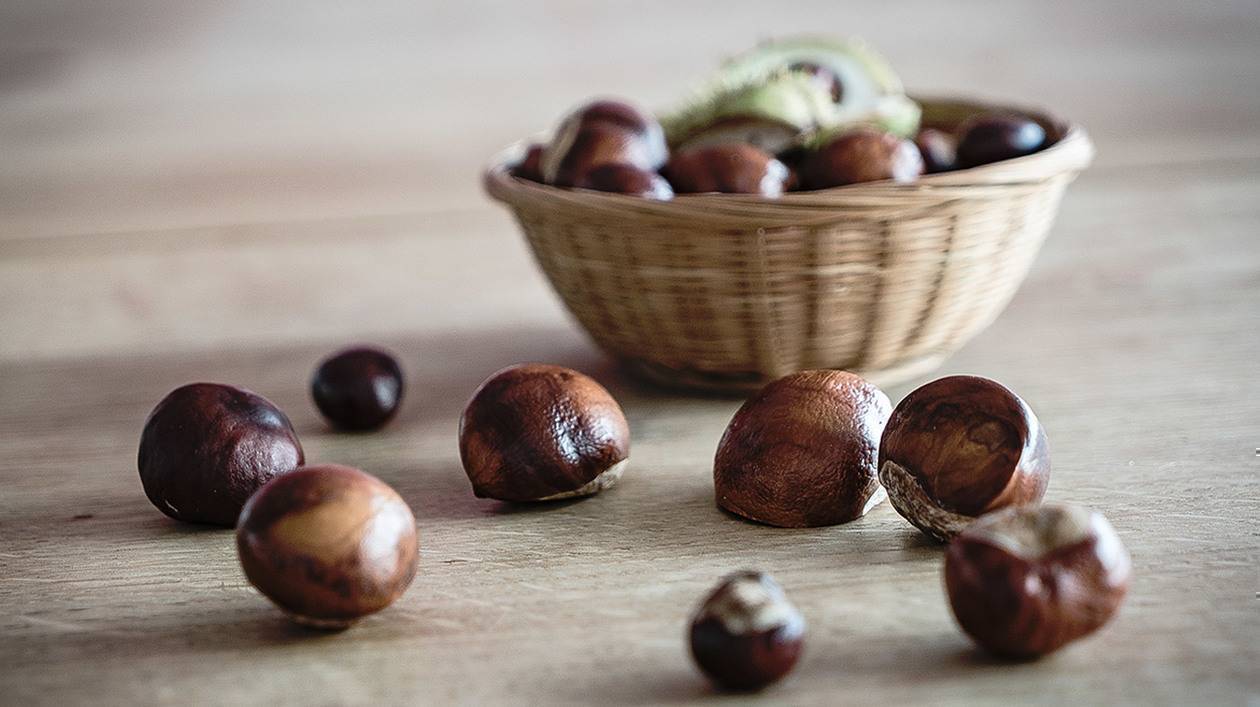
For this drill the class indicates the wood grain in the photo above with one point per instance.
(229, 194)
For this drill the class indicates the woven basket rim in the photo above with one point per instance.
(1071, 153)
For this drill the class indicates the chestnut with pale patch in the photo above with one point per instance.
(207, 447)
(938, 148)
(328, 544)
(1024, 582)
(862, 155)
(746, 634)
(537, 432)
(626, 179)
(959, 447)
(599, 133)
(728, 169)
(530, 166)
(802, 451)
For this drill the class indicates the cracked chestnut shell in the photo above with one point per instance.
(206, 448)
(861, 155)
(358, 389)
(603, 132)
(959, 447)
(992, 137)
(328, 544)
(802, 451)
(535, 432)
(746, 635)
(1024, 582)
(729, 169)
(626, 179)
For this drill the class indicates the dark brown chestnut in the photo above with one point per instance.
(603, 132)
(960, 447)
(626, 179)
(746, 635)
(938, 148)
(1024, 582)
(207, 447)
(730, 169)
(328, 544)
(992, 137)
(802, 451)
(861, 155)
(535, 432)
(530, 166)
(358, 389)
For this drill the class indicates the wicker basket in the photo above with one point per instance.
(727, 292)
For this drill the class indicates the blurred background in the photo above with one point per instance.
(141, 137)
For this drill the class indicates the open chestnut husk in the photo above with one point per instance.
(599, 133)
(959, 447)
(328, 544)
(536, 432)
(992, 137)
(207, 447)
(1024, 582)
(802, 451)
(729, 169)
(861, 155)
(746, 635)
(626, 179)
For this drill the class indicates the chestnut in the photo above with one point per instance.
(207, 447)
(960, 447)
(328, 544)
(626, 179)
(730, 169)
(861, 155)
(535, 432)
(1024, 582)
(938, 148)
(746, 635)
(530, 166)
(991, 137)
(802, 451)
(358, 389)
(603, 132)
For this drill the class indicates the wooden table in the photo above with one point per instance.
(191, 193)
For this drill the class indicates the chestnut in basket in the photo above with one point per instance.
(827, 79)
(530, 166)
(802, 451)
(535, 432)
(992, 137)
(626, 179)
(861, 155)
(603, 132)
(328, 544)
(730, 169)
(358, 389)
(938, 148)
(960, 447)
(746, 634)
(207, 447)
(1024, 582)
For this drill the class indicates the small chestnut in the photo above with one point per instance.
(861, 155)
(730, 169)
(991, 137)
(1024, 582)
(801, 452)
(207, 447)
(959, 447)
(328, 544)
(535, 432)
(626, 179)
(938, 148)
(530, 166)
(746, 635)
(603, 132)
(358, 389)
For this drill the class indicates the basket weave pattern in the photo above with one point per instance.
(724, 291)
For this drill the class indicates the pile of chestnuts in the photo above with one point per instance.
(790, 115)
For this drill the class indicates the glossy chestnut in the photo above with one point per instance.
(599, 133)
(938, 148)
(802, 451)
(358, 389)
(536, 432)
(861, 155)
(992, 137)
(626, 179)
(328, 544)
(207, 447)
(959, 447)
(1024, 582)
(729, 169)
(746, 634)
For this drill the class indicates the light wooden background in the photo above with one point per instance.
(227, 191)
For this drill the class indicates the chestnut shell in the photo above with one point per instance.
(626, 179)
(992, 137)
(746, 635)
(938, 148)
(861, 155)
(207, 447)
(358, 389)
(328, 544)
(729, 169)
(536, 432)
(802, 451)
